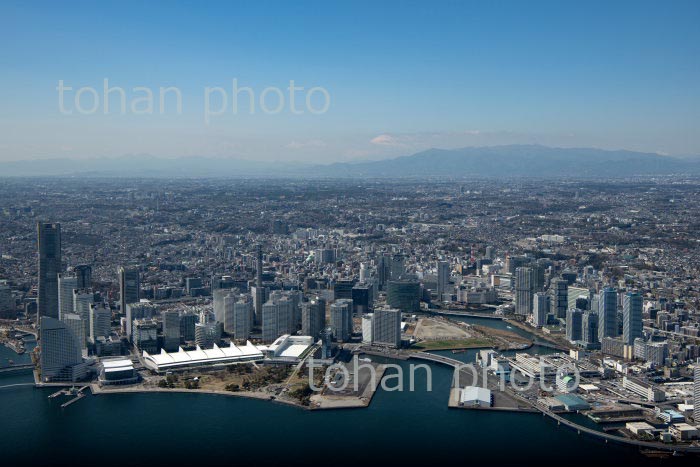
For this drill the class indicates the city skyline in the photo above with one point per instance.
(388, 232)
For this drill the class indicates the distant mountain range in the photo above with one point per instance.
(491, 161)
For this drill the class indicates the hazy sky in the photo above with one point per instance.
(399, 77)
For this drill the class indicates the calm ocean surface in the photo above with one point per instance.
(399, 428)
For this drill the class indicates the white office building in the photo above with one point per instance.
(386, 327)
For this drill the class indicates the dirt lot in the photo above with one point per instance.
(434, 329)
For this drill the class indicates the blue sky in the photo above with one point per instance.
(401, 76)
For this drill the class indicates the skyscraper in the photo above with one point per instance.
(171, 330)
(135, 311)
(67, 283)
(397, 267)
(607, 313)
(260, 293)
(383, 270)
(560, 298)
(362, 298)
(7, 302)
(313, 317)
(77, 327)
(242, 313)
(219, 304)
(342, 289)
(696, 392)
(61, 355)
(404, 294)
(100, 321)
(49, 242)
(83, 272)
(524, 288)
(631, 317)
(129, 287)
(277, 316)
(589, 328)
(258, 265)
(341, 319)
(540, 308)
(443, 278)
(386, 327)
(260, 297)
(574, 324)
(82, 300)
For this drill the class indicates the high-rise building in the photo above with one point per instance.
(524, 289)
(260, 297)
(540, 307)
(138, 310)
(607, 313)
(187, 323)
(76, 325)
(324, 256)
(342, 289)
(560, 298)
(631, 317)
(367, 328)
(696, 392)
(100, 321)
(145, 335)
(443, 278)
(242, 317)
(383, 271)
(574, 325)
(589, 328)
(82, 300)
(537, 277)
(386, 327)
(259, 293)
(193, 285)
(341, 319)
(61, 353)
(397, 267)
(276, 318)
(83, 273)
(219, 305)
(404, 294)
(326, 343)
(171, 330)
(8, 308)
(364, 272)
(515, 262)
(362, 298)
(206, 335)
(67, 283)
(574, 293)
(49, 242)
(129, 287)
(258, 265)
(227, 302)
(313, 317)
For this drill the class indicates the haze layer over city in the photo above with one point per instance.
(350, 233)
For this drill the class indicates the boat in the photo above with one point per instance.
(365, 360)
(459, 350)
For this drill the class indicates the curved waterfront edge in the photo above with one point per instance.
(568, 423)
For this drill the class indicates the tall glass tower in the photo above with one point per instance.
(49, 243)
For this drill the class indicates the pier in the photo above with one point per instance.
(77, 393)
